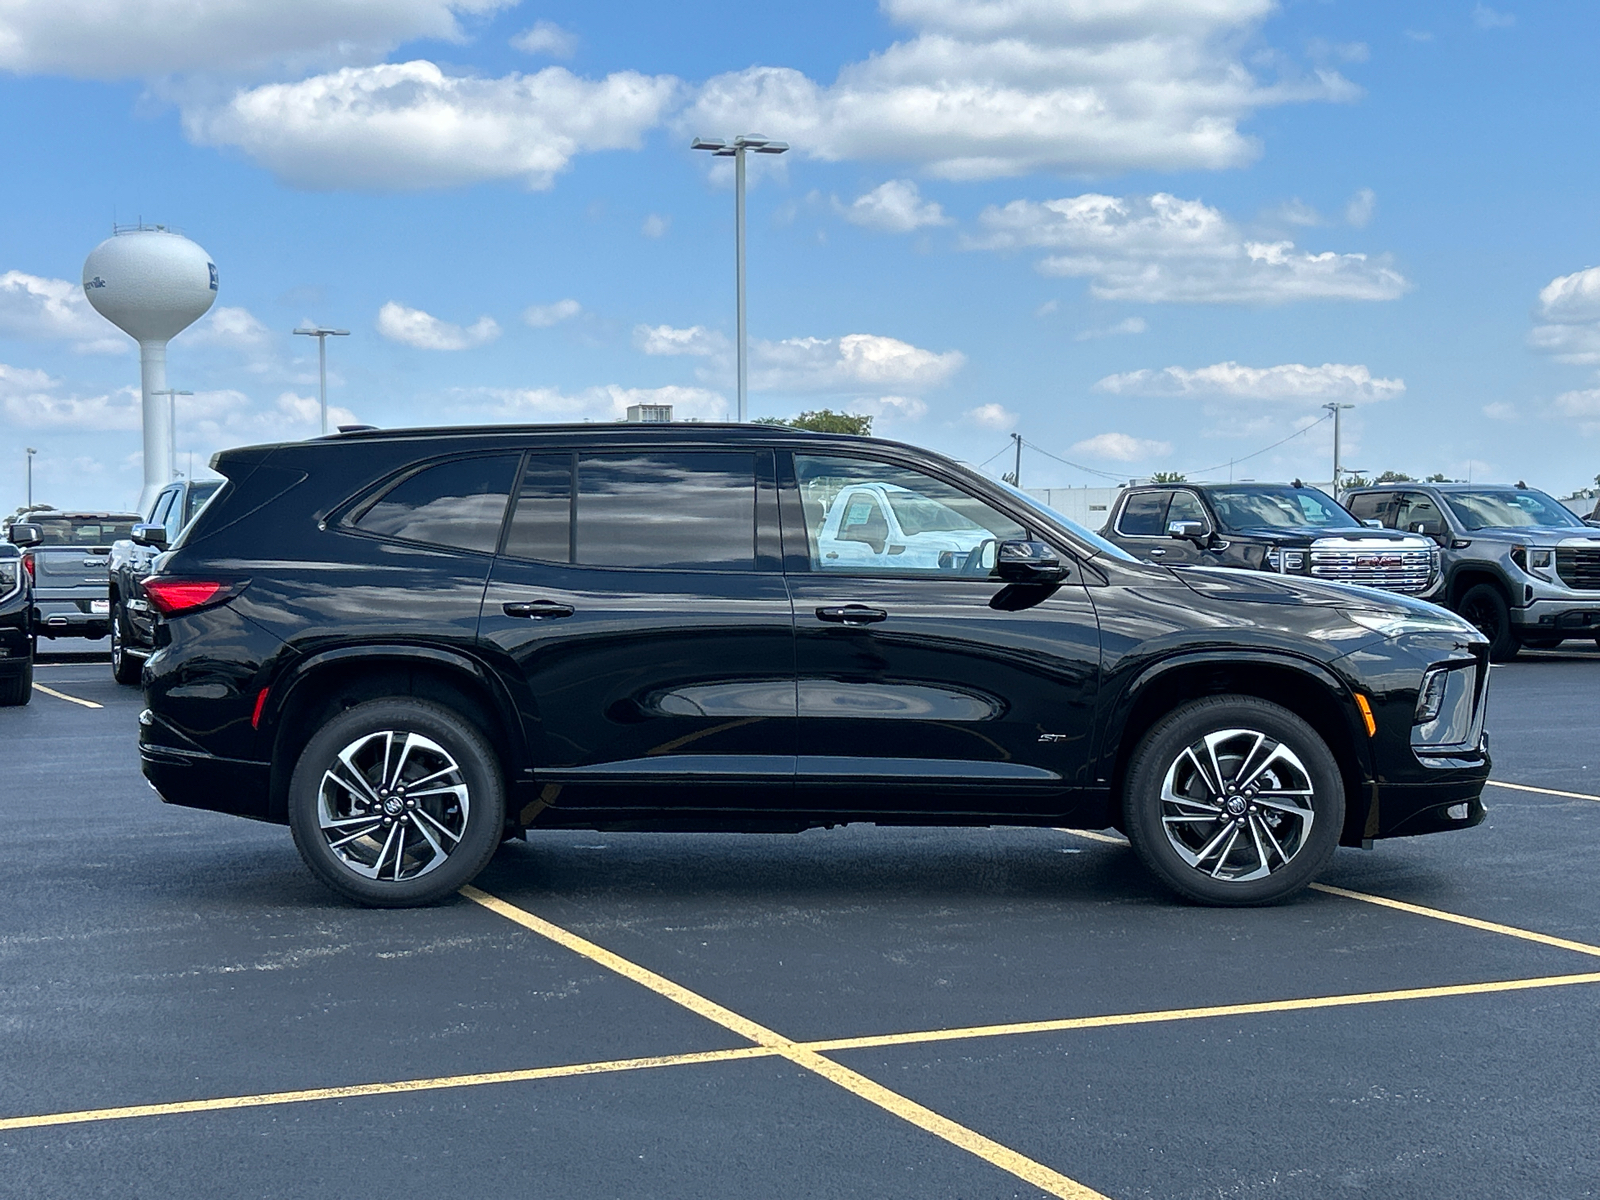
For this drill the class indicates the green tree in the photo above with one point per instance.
(1394, 477)
(1169, 477)
(1438, 477)
(825, 420)
(1355, 481)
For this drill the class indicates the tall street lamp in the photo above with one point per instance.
(322, 335)
(736, 150)
(172, 395)
(1336, 409)
(31, 453)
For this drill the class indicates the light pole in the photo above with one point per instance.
(172, 395)
(31, 453)
(1335, 409)
(322, 335)
(735, 150)
(1016, 475)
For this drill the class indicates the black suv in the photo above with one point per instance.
(410, 645)
(16, 616)
(1285, 527)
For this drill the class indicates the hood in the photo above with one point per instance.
(1282, 535)
(1544, 535)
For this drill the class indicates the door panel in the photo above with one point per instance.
(934, 688)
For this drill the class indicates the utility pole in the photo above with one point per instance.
(736, 150)
(1016, 474)
(1335, 409)
(322, 335)
(172, 395)
(31, 453)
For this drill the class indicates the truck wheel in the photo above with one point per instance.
(125, 668)
(1541, 643)
(1485, 606)
(396, 803)
(18, 691)
(1232, 800)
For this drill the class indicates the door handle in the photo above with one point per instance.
(851, 614)
(536, 608)
(1157, 553)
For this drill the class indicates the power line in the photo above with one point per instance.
(993, 456)
(1263, 450)
(1070, 463)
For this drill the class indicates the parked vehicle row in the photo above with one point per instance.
(132, 620)
(409, 645)
(16, 615)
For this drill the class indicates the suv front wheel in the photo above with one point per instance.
(1233, 800)
(396, 803)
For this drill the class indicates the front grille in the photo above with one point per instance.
(1579, 569)
(1394, 570)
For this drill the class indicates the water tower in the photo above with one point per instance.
(152, 284)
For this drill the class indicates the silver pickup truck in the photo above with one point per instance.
(69, 570)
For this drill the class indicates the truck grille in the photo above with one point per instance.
(1394, 570)
(1579, 569)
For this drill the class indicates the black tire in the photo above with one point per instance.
(1485, 606)
(1541, 643)
(423, 822)
(1168, 829)
(18, 691)
(125, 668)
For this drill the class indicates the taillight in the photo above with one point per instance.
(27, 561)
(170, 597)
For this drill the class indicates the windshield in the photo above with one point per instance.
(1506, 507)
(918, 514)
(81, 531)
(1093, 540)
(1278, 508)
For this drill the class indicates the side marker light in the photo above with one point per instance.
(1366, 715)
(261, 702)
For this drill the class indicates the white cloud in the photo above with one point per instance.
(236, 327)
(32, 306)
(1485, 17)
(1123, 328)
(1161, 248)
(1584, 403)
(1571, 306)
(894, 207)
(546, 37)
(1500, 411)
(853, 363)
(664, 339)
(607, 403)
(1358, 212)
(413, 327)
(31, 399)
(991, 416)
(1291, 381)
(892, 409)
(1297, 212)
(407, 126)
(655, 225)
(542, 316)
(1123, 447)
(1048, 307)
(1007, 87)
(131, 39)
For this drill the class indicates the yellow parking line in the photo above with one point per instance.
(1007, 1159)
(1438, 914)
(39, 687)
(1522, 787)
(1096, 837)
(220, 1103)
(1159, 1016)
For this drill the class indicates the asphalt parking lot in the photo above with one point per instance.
(854, 1012)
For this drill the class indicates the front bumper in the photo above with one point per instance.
(1559, 617)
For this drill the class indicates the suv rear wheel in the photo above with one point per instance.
(396, 803)
(1233, 800)
(1485, 606)
(125, 667)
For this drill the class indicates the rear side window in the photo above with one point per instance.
(459, 504)
(1143, 515)
(684, 510)
(541, 524)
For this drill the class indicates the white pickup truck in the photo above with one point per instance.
(879, 524)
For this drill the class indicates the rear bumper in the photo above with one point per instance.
(191, 779)
(69, 618)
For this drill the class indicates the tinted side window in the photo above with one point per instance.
(1419, 514)
(1143, 516)
(459, 504)
(1369, 507)
(198, 495)
(685, 510)
(1186, 506)
(162, 506)
(541, 524)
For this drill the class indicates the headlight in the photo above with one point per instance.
(1531, 561)
(1430, 696)
(1394, 624)
(10, 572)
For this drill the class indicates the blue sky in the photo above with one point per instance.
(1146, 234)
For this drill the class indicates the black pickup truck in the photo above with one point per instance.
(133, 558)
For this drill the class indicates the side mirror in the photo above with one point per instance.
(1187, 531)
(154, 536)
(24, 534)
(1028, 562)
(1373, 523)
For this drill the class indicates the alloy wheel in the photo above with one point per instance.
(393, 805)
(1237, 805)
(1484, 617)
